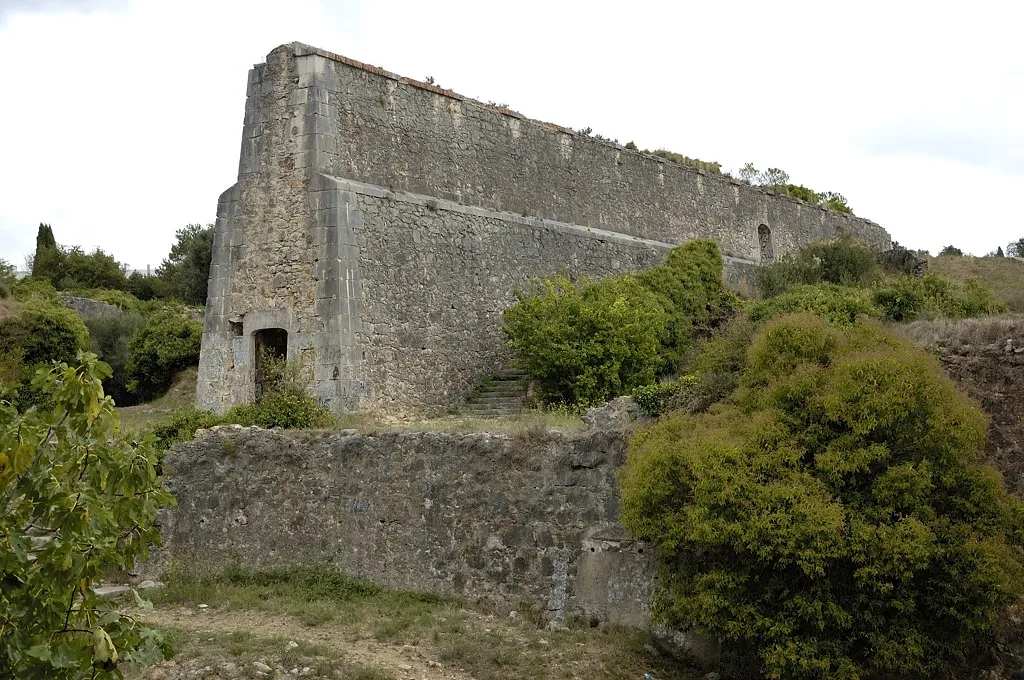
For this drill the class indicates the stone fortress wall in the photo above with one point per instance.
(384, 224)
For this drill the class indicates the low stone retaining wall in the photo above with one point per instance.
(526, 518)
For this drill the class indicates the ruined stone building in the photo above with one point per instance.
(379, 227)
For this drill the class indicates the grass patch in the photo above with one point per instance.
(181, 395)
(1004, 276)
(955, 333)
(348, 615)
(236, 652)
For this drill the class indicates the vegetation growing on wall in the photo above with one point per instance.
(834, 516)
(778, 181)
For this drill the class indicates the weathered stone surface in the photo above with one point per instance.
(509, 519)
(385, 224)
(88, 308)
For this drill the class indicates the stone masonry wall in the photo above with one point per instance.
(406, 135)
(507, 518)
(384, 225)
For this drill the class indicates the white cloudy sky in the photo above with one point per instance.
(121, 119)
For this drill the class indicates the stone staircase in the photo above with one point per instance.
(501, 394)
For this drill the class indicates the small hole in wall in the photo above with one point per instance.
(236, 328)
(592, 550)
(381, 520)
(640, 550)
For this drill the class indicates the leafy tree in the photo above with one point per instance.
(8, 274)
(835, 201)
(78, 500)
(141, 286)
(748, 173)
(834, 517)
(1016, 248)
(773, 177)
(186, 270)
(93, 270)
(7, 279)
(951, 250)
(72, 268)
(47, 260)
(165, 346)
(111, 336)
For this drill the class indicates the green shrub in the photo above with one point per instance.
(934, 295)
(690, 291)
(141, 286)
(32, 286)
(587, 343)
(111, 336)
(182, 427)
(836, 304)
(835, 518)
(664, 396)
(842, 261)
(165, 346)
(40, 333)
(286, 410)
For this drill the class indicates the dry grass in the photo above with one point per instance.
(956, 333)
(1003, 275)
(380, 631)
(524, 422)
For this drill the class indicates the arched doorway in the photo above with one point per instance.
(764, 239)
(271, 347)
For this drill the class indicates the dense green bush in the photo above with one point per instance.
(836, 304)
(835, 518)
(40, 333)
(141, 286)
(591, 342)
(587, 343)
(111, 336)
(32, 286)
(910, 298)
(665, 396)
(842, 261)
(690, 290)
(183, 425)
(288, 410)
(166, 345)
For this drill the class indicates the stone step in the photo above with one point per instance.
(496, 401)
(498, 394)
(489, 413)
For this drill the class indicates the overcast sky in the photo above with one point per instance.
(122, 120)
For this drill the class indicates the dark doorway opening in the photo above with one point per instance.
(271, 347)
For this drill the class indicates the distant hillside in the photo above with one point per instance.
(1003, 275)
